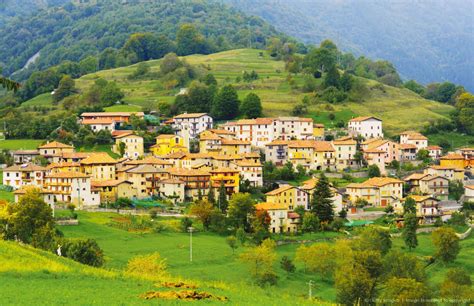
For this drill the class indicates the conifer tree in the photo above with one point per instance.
(322, 203)
(409, 230)
(223, 203)
(211, 196)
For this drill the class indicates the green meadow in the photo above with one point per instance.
(400, 109)
(20, 144)
(213, 260)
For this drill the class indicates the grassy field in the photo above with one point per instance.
(213, 259)
(400, 109)
(42, 100)
(455, 139)
(20, 144)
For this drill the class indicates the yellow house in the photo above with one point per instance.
(145, 179)
(53, 150)
(449, 172)
(133, 145)
(281, 219)
(167, 144)
(452, 160)
(290, 196)
(100, 166)
(230, 178)
(378, 191)
(318, 131)
(111, 190)
(345, 148)
(64, 167)
(222, 142)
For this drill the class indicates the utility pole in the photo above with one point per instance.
(190, 243)
(310, 291)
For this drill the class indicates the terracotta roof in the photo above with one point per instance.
(301, 144)
(318, 125)
(63, 165)
(198, 156)
(112, 114)
(469, 187)
(415, 176)
(245, 163)
(25, 152)
(432, 177)
(466, 149)
(175, 155)
(172, 181)
(309, 184)
(107, 121)
(224, 170)
(76, 155)
(109, 183)
(279, 190)
(145, 169)
(381, 181)
(166, 136)
(374, 151)
(406, 146)
(452, 156)
(278, 142)
(151, 160)
(68, 174)
(226, 157)
(433, 148)
(127, 135)
(323, 146)
(359, 185)
(345, 141)
(54, 145)
(358, 119)
(98, 158)
(226, 141)
(301, 119)
(187, 172)
(25, 168)
(24, 190)
(256, 121)
(420, 198)
(270, 206)
(120, 132)
(190, 115)
(439, 167)
(209, 136)
(221, 132)
(293, 215)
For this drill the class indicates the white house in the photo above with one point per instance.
(367, 127)
(469, 193)
(414, 138)
(194, 123)
(18, 176)
(72, 187)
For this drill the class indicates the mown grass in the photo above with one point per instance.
(7, 195)
(400, 109)
(33, 277)
(20, 144)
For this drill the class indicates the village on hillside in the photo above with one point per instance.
(203, 159)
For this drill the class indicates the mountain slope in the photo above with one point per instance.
(401, 109)
(429, 41)
(73, 32)
(13, 8)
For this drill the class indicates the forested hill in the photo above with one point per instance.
(426, 40)
(13, 8)
(73, 32)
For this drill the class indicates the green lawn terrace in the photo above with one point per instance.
(213, 260)
(400, 109)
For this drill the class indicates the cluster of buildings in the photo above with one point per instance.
(231, 153)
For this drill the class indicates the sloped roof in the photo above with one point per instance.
(68, 174)
(112, 114)
(98, 158)
(358, 119)
(109, 183)
(190, 115)
(25, 168)
(54, 145)
(279, 190)
(270, 206)
(452, 156)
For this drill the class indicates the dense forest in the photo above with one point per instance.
(74, 32)
(426, 40)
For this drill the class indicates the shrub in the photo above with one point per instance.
(186, 223)
(85, 251)
(150, 266)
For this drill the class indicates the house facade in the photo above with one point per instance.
(367, 127)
